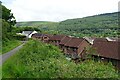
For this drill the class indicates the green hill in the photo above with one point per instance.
(102, 25)
(38, 24)
(97, 25)
(104, 21)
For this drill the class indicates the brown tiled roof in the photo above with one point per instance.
(74, 42)
(108, 49)
(100, 39)
(48, 35)
(41, 35)
(57, 37)
(65, 40)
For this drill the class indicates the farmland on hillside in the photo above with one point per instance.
(40, 60)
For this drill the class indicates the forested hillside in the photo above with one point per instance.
(106, 24)
(103, 21)
(98, 25)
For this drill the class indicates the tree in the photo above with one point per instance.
(5, 28)
(8, 16)
(8, 20)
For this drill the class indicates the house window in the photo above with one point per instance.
(68, 48)
(74, 49)
(45, 37)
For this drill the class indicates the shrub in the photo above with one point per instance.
(40, 60)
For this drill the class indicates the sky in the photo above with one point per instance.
(58, 10)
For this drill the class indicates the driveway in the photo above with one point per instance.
(5, 56)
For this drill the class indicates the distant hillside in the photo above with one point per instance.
(39, 24)
(103, 24)
(34, 23)
(108, 20)
(100, 25)
(103, 21)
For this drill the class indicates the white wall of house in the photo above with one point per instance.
(29, 36)
(23, 33)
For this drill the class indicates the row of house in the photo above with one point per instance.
(106, 49)
(71, 46)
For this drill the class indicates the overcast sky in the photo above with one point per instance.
(58, 10)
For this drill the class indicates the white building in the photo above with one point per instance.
(28, 34)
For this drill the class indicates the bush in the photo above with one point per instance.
(40, 60)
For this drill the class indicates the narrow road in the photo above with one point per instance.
(5, 56)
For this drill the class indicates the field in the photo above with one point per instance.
(40, 60)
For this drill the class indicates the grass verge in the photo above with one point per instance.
(10, 45)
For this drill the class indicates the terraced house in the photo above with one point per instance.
(62, 43)
(43, 37)
(37, 36)
(74, 47)
(56, 39)
(107, 50)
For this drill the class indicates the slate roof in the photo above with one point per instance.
(28, 32)
(74, 42)
(37, 34)
(108, 49)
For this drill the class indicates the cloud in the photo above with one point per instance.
(58, 10)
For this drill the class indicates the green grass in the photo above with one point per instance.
(40, 60)
(0, 47)
(10, 45)
(0, 72)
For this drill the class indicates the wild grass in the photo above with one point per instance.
(40, 60)
(9, 45)
(0, 72)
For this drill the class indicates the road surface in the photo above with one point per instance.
(5, 56)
